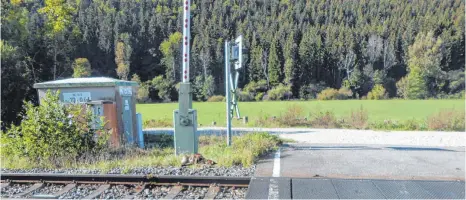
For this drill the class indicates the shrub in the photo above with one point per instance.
(333, 94)
(280, 92)
(244, 96)
(254, 87)
(259, 96)
(325, 120)
(143, 93)
(409, 125)
(310, 91)
(51, 131)
(358, 119)
(446, 120)
(344, 93)
(377, 92)
(292, 116)
(216, 98)
(327, 94)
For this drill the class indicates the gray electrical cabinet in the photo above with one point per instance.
(99, 93)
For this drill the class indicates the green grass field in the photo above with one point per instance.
(399, 110)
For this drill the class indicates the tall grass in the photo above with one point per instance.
(245, 150)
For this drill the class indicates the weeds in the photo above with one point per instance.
(358, 119)
(244, 151)
(157, 123)
(446, 120)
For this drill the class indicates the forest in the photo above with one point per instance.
(297, 49)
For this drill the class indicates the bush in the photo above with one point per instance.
(447, 120)
(409, 125)
(377, 92)
(327, 94)
(281, 92)
(53, 131)
(216, 98)
(259, 96)
(254, 87)
(325, 120)
(292, 116)
(310, 91)
(333, 94)
(143, 93)
(358, 119)
(244, 96)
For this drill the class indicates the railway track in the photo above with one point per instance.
(117, 186)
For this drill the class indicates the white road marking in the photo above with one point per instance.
(276, 164)
(273, 189)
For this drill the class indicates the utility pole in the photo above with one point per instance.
(185, 118)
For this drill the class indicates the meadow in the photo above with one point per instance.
(377, 110)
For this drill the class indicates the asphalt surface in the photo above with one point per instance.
(367, 162)
(339, 171)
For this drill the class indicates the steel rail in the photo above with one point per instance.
(125, 179)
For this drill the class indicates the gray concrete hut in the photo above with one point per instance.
(112, 98)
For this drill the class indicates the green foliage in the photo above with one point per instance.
(244, 151)
(216, 98)
(281, 92)
(244, 96)
(333, 94)
(81, 68)
(163, 86)
(157, 123)
(377, 92)
(123, 52)
(274, 68)
(310, 91)
(58, 14)
(259, 96)
(255, 87)
(53, 131)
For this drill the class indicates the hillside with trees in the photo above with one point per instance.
(296, 48)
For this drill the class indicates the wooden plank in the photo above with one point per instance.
(97, 192)
(4, 185)
(66, 189)
(31, 189)
(138, 189)
(212, 192)
(173, 192)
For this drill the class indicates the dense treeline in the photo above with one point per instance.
(409, 49)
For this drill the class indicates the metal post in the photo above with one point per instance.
(185, 119)
(227, 91)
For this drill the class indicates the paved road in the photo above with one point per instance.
(298, 188)
(309, 171)
(367, 161)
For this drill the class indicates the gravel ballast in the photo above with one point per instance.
(231, 193)
(47, 189)
(154, 192)
(235, 171)
(192, 193)
(14, 189)
(80, 191)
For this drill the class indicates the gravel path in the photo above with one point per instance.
(47, 189)
(154, 192)
(368, 137)
(231, 193)
(176, 171)
(80, 191)
(344, 136)
(192, 193)
(14, 189)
